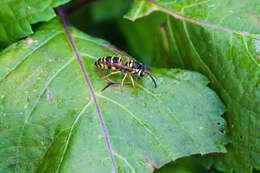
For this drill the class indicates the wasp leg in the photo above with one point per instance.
(112, 73)
(122, 83)
(108, 85)
(133, 82)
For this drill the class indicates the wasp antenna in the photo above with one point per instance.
(155, 85)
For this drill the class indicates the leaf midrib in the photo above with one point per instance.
(200, 22)
(45, 87)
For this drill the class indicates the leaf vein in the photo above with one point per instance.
(139, 9)
(22, 59)
(250, 55)
(210, 72)
(217, 82)
(199, 22)
(195, 4)
(35, 104)
(171, 115)
(125, 160)
(138, 120)
(70, 132)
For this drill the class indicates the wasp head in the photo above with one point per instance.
(144, 69)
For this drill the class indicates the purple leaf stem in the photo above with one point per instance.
(61, 14)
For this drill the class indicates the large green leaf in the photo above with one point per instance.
(225, 47)
(49, 122)
(16, 17)
(221, 14)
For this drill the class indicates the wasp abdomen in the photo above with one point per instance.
(109, 62)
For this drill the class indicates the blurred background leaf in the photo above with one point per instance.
(103, 25)
(146, 38)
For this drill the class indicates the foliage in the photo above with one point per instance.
(48, 121)
(224, 47)
(16, 17)
(53, 117)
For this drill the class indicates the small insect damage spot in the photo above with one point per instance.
(35, 73)
(222, 131)
(149, 163)
(29, 40)
(49, 96)
(221, 127)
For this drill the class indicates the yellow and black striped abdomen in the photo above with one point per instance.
(109, 62)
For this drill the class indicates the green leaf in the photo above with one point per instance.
(226, 15)
(49, 123)
(144, 38)
(190, 164)
(16, 17)
(225, 47)
(101, 17)
(104, 10)
(149, 40)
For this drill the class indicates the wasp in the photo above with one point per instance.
(123, 64)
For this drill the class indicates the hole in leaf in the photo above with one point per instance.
(222, 131)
